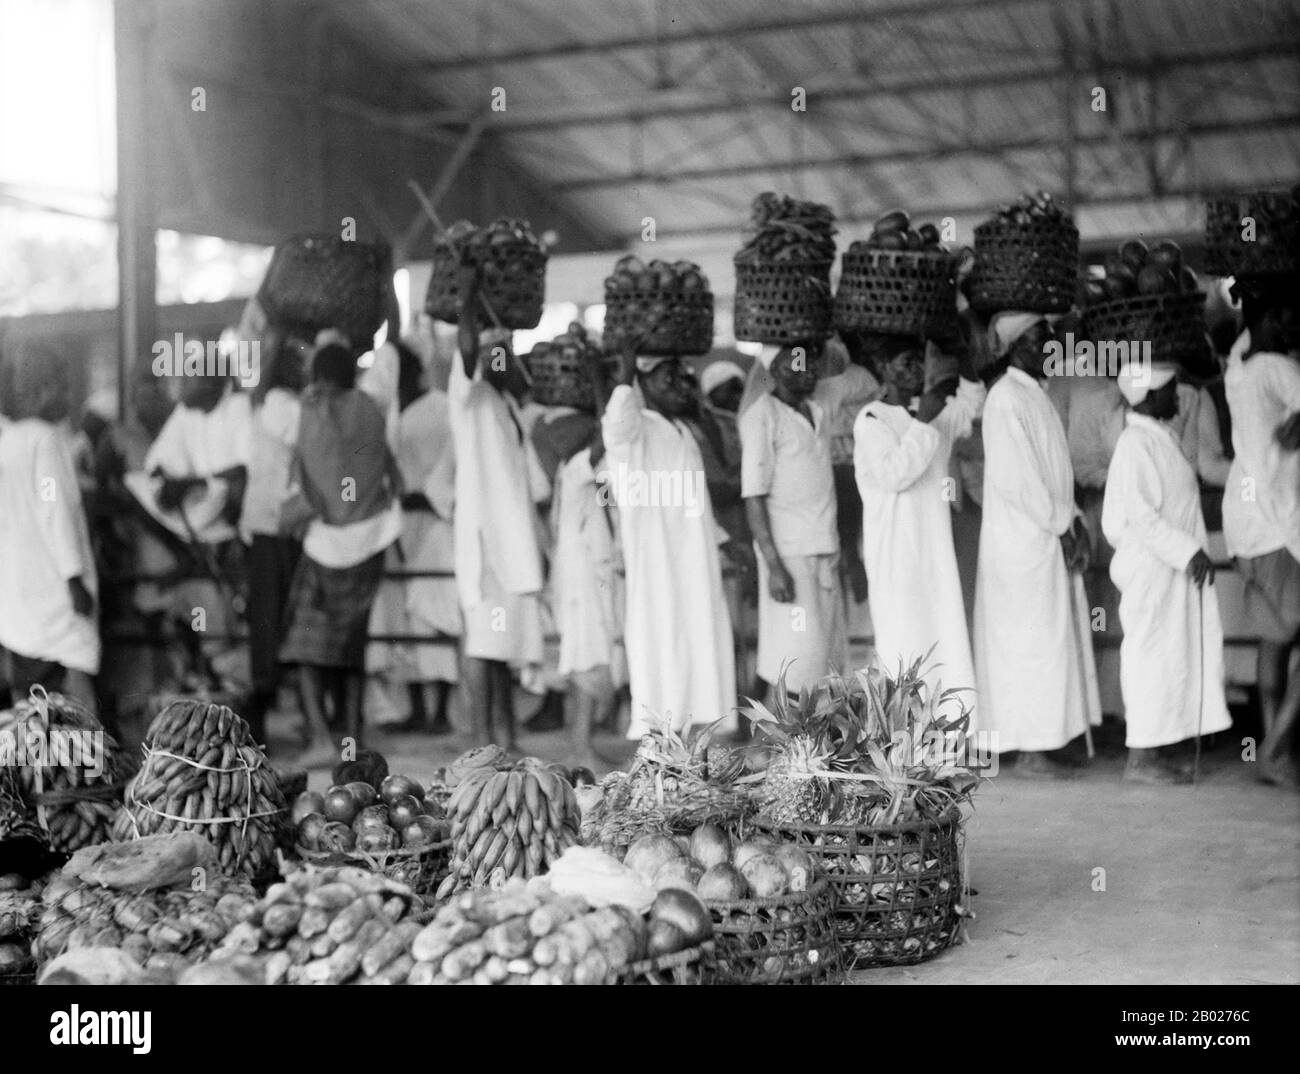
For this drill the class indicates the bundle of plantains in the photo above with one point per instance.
(63, 769)
(338, 925)
(1257, 232)
(508, 822)
(1026, 258)
(675, 783)
(783, 290)
(160, 929)
(525, 934)
(324, 281)
(511, 263)
(203, 773)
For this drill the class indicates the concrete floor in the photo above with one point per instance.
(1201, 883)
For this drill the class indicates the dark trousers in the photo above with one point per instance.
(270, 563)
(28, 671)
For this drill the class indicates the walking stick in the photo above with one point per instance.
(1200, 680)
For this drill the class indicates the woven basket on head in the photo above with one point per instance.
(1274, 220)
(662, 322)
(560, 377)
(897, 291)
(788, 939)
(896, 888)
(323, 281)
(1033, 266)
(783, 301)
(1174, 325)
(514, 283)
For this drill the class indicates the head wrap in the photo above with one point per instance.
(718, 373)
(326, 336)
(103, 404)
(1137, 379)
(1007, 327)
(768, 354)
(648, 363)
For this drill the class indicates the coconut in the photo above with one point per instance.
(766, 875)
(754, 845)
(722, 883)
(710, 846)
(684, 910)
(678, 873)
(798, 865)
(650, 853)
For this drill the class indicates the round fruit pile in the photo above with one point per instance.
(894, 231)
(664, 308)
(711, 865)
(512, 264)
(1133, 269)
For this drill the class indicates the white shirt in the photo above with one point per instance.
(841, 397)
(44, 543)
(788, 459)
(1261, 503)
(275, 431)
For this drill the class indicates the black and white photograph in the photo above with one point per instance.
(642, 492)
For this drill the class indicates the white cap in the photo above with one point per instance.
(1136, 380)
(718, 373)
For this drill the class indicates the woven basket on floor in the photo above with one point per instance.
(513, 282)
(785, 940)
(689, 967)
(1174, 325)
(896, 887)
(1276, 245)
(902, 291)
(662, 322)
(323, 281)
(419, 868)
(1033, 266)
(783, 301)
(560, 377)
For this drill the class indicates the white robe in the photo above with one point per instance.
(1033, 648)
(681, 664)
(907, 493)
(1171, 678)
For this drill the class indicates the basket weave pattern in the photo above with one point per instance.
(323, 281)
(783, 301)
(560, 377)
(789, 939)
(1276, 246)
(514, 283)
(897, 291)
(896, 887)
(688, 967)
(1173, 324)
(666, 322)
(1032, 266)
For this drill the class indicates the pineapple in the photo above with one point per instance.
(794, 792)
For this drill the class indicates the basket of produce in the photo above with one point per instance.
(62, 770)
(333, 925)
(391, 829)
(323, 281)
(1149, 296)
(1253, 233)
(664, 308)
(867, 777)
(1026, 258)
(901, 279)
(513, 267)
(559, 370)
(203, 773)
(783, 288)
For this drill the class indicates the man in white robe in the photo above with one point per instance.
(1033, 648)
(1171, 658)
(681, 665)
(901, 461)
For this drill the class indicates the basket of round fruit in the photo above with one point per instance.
(901, 279)
(393, 829)
(324, 281)
(1149, 296)
(772, 915)
(1255, 232)
(897, 887)
(1026, 258)
(663, 308)
(559, 370)
(512, 264)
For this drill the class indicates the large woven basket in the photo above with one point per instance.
(1032, 266)
(790, 939)
(1174, 325)
(897, 888)
(783, 301)
(560, 377)
(1276, 245)
(662, 322)
(902, 291)
(323, 281)
(513, 281)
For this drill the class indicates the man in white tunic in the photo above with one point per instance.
(1033, 650)
(681, 666)
(789, 492)
(1171, 658)
(902, 446)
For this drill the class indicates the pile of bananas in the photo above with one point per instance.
(63, 769)
(525, 934)
(337, 925)
(506, 823)
(786, 229)
(204, 773)
(161, 930)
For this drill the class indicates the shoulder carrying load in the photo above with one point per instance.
(783, 273)
(666, 308)
(1253, 233)
(1026, 258)
(513, 266)
(323, 281)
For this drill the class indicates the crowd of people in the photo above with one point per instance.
(390, 543)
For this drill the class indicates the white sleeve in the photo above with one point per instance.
(168, 450)
(622, 423)
(757, 452)
(1011, 469)
(957, 418)
(883, 461)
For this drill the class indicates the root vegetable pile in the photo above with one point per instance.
(204, 773)
(1030, 207)
(786, 229)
